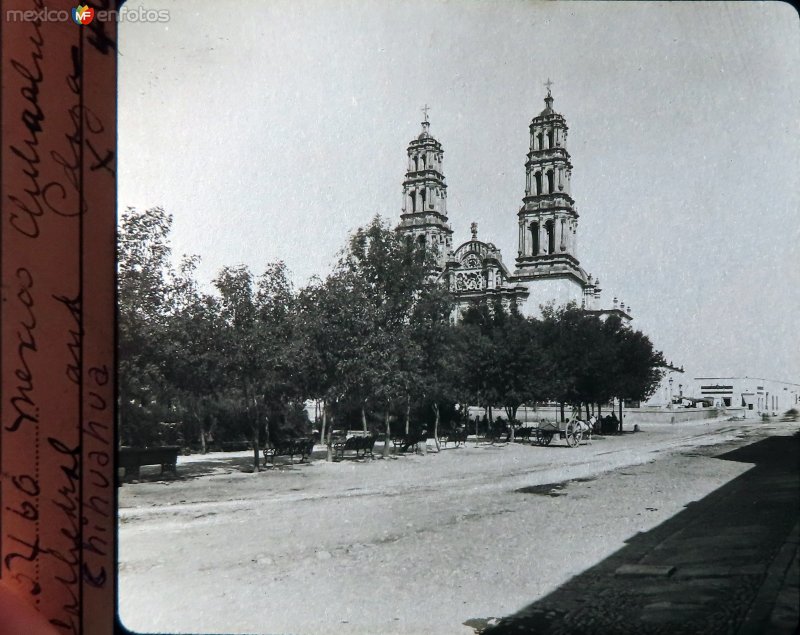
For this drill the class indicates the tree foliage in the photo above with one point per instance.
(375, 336)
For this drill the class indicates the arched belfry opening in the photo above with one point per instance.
(534, 228)
(551, 138)
(540, 140)
(550, 228)
(550, 182)
(537, 177)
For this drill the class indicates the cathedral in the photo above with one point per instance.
(547, 269)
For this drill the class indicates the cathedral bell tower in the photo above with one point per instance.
(548, 220)
(424, 215)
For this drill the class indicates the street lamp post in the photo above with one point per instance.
(669, 405)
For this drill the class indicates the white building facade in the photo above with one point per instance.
(754, 394)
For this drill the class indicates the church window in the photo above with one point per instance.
(422, 198)
(416, 164)
(535, 238)
(550, 182)
(538, 179)
(550, 228)
(423, 161)
(413, 202)
(540, 139)
(551, 139)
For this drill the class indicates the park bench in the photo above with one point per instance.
(355, 444)
(405, 441)
(301, 447)
(498, 434)
(457, 437)
(131, 459)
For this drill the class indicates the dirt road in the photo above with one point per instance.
(414, 544)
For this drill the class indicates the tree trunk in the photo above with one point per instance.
(408, 411)
(388, 433)
(329, 441)
(364, 417)
(511, 421)
(252, 402)
(322, 430)
(586, 405)
(256, 444)
(620, 415)
(562, 412)
(599, 409)
(476, 430)
(436, 425)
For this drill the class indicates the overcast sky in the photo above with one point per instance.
(272, 129)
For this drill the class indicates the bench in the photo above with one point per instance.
(458, 437)
(496, 433)
(131, 459)
(301, 447)
(405, 441)
(355, 444)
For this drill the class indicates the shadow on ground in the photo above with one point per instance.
(719, 566)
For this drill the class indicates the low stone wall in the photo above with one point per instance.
(668, 415)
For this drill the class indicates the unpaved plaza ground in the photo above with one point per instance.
(413, 544)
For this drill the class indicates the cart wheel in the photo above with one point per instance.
(545, 438)
(573, 434)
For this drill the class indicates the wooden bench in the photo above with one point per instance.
(405, 441)
(301, 447)
(355, 444)
(131, 459)
(496, 434)
(458, 437)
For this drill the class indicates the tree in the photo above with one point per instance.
(194, 359)
(592, 360)
(638, 367)
(439, 356)
(255, 336)
(390, 275)
(146, 301)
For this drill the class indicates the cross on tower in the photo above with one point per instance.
(425, 111)
(548, 83)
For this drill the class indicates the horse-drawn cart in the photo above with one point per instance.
(570, 431)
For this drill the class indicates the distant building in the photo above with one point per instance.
(547, 265)
(763, 396)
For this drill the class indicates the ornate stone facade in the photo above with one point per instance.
(547, 265)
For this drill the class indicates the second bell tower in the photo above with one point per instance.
(424, 215)
(548, 220)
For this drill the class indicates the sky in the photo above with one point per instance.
(270, 130)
